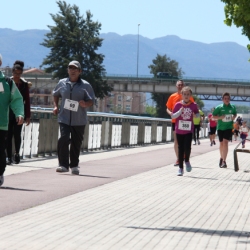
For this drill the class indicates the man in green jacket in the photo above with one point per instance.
(10, 97)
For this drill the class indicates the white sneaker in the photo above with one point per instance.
(62, 169)
(75, 170)
(1, 180)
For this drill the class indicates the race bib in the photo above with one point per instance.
(1, 87)
(71, 105)
(185, 125)
(227, 118)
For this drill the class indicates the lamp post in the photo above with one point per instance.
(138, 50)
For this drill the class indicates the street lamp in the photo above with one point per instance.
(138, 50)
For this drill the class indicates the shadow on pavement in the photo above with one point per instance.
(225, 233)
(21, 189)
(203, 178)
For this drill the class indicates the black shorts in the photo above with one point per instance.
(173, 126)
(212, 130)
(225, 134)
(236, 132)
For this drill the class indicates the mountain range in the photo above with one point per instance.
(214, 60)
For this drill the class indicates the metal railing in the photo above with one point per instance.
(103, 131)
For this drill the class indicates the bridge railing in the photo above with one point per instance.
(103, 131)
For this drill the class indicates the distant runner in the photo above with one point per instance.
(212, 128)
(225, 114)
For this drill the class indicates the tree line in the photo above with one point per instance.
(76, 37)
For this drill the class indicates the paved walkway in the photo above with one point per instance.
(128, 199)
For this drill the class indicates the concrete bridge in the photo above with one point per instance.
(206, 89)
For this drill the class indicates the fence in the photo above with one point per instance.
(103, 131)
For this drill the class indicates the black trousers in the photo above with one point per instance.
(196, 132)
(13, 130)
(184, 147)
(3, 139)
(73, 136)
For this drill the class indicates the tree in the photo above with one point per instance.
(199, 102)
(163, 64)
(237, 12)
(150, 110)
(75, 38)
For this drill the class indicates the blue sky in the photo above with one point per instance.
(198, 20)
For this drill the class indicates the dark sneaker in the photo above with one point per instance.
(9, 161)
(17, 158)
(211, 144)
(220, 162)
(1, 180)
(62, 169)
(199, 142)
(188, 166)
(180, 172)
(176, 163)
(214, 142)
(224, 165)
(75, 170)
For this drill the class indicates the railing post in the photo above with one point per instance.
(141, 133)
(125, 133)
(153, 132)
(106, 128)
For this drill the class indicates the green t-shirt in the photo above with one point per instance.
(227, 110)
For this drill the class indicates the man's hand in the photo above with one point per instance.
(55, 110)
(83, 104)
(19, 120)
(27, 121)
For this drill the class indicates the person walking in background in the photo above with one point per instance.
(236, 128)
(10, 98)
(197, 126)
(212, 128)
(244, 133)
(15, 129)
(225, 113)
(183, 112)
(76, 96)
(172, 100)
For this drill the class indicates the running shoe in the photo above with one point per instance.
(176, 163)
(9, 161)
(180, 172)
(224, 165)
(214, 142)
(62, 169)
(194, 143)
(75, 170)
(17, 158)
(220, 162)
(211, 144)
(199, 142)
(1, 180)
(188, 166)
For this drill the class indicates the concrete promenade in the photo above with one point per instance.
(128, 199)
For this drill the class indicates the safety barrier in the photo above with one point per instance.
(103, 131)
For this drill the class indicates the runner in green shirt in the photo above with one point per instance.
(225, 114)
